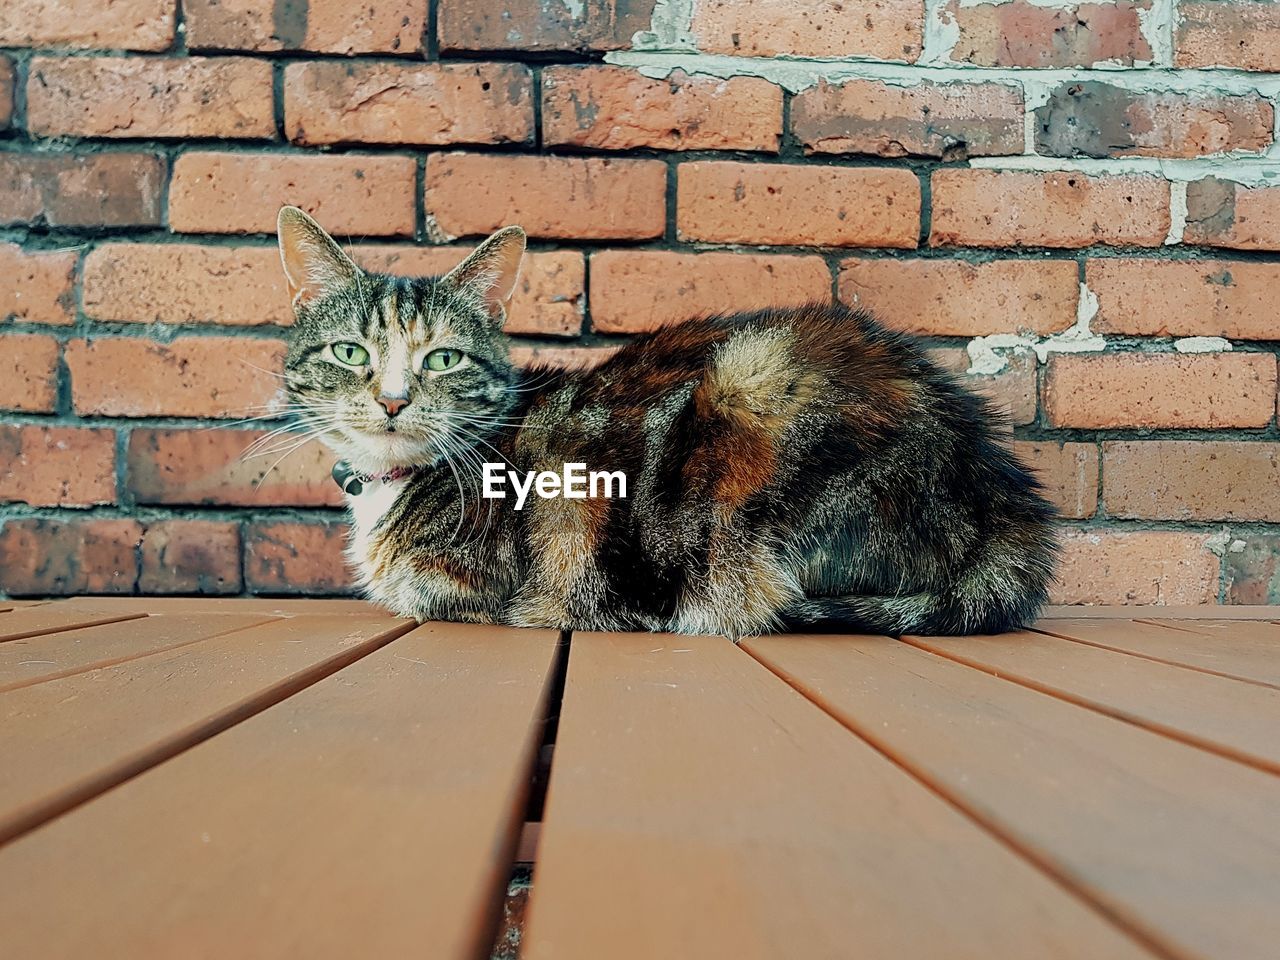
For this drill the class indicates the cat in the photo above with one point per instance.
(788, 469)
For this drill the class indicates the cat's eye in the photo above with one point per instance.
(444, 359)
(350, 354)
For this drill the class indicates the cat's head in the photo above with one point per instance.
(394, 371)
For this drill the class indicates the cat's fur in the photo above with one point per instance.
(787, 468)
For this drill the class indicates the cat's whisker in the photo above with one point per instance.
(479, 439)
(303, 420)
(458, 457)
(297, 446)
(477, 465)
(232, 424)
(527, 386)
(282, 444)
(265, 446)
(498, 421)
(270, 373)
(472, 459)
(462, 500)
(264, 438)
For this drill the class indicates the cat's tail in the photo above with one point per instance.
(992, 596)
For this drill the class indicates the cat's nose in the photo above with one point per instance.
(392, 404)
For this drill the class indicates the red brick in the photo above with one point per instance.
(57, 466)
(1002, 208)
(205, 468)
(561, 358)
(959, 299)
(1069, 472)
(57, 557)
(1185, 298)
(638, 290)
(191, 283)
(951, 120)
(1225, 214)
(883, 29)
(615, 108)
(1092, 119)
(1026, 34)
(1161, 390)
(28, 372)
(429, 103)
(88, 24)
(136, 97)
(1251, 570)
(1192, 479)
(243, 192)
(548, 299)
(728, 202)
(324, 26)
(1139, 567)
(190, 377)
(6, 91)
(572, 197)
(190, 556)
(185, 283)
(1012, 391)
(1213, 33)
(296, 558)
(63, 190)
(38, 285)
(541, 25)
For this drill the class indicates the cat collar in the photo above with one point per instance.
(352, 482)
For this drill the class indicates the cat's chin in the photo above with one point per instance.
(383, 452)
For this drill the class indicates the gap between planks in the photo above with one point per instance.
(31, 815)
(990, 825)
(1241, 741)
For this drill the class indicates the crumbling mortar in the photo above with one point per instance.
(799, 73)
(670, 28)
(1177, 212)
(420, 231)
(64, 239)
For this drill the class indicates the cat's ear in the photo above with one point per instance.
(490, 273)
(314, 264)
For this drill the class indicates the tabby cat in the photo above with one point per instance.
(786, 469)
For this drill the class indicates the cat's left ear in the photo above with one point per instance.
(490, 273)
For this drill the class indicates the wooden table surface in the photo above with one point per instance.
(314, 779)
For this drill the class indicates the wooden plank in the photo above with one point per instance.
(67, 740)
(51, 656)
(1202, 612)
(373, 814)
(1180, 844)
(35, 621)
(7, 605)
(1234, 630)
(1240, 656)
(269, 606)
(1238, 720)
(699, 807)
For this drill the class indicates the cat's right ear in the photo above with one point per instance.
(314, 264)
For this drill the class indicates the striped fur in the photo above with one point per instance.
(788, 469)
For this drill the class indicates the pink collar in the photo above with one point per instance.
(353, 481)
(396, 473)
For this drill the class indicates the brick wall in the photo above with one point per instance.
(1078, 204)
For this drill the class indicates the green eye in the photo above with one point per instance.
(352, 354)
(443, 359)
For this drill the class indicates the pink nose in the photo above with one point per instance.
(393, 405)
